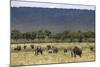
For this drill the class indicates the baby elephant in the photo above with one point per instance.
(18, 48)
(32, 46)
(76, 51)
(92, 48)
(53, 50)
(25, 47)
(65, 50)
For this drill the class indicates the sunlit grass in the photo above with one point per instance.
(29, 58)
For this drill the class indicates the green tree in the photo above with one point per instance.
(40, 34)
(80, 36)
(15, 34)
(71, 36)
(65, 35)
(27, 35)
(33, 35)
(47, 33)
(89, 34)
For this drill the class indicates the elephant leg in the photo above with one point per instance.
(35, 52)
(41, 52)
(80, 55)
(74, 55)
(71, 53)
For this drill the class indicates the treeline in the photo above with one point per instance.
(48, 36)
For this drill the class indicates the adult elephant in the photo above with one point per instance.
(49, 47)
(76, 50)
(55, 50)
(38, 49)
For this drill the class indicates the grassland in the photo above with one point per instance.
(27, 57)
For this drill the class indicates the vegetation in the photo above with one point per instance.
(27, 56)
(48, 36)
(62, 40)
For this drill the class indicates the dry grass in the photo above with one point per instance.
(28, 58)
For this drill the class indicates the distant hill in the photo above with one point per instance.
(53, 19)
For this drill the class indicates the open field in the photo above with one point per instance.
(26, 57)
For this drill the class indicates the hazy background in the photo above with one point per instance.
(28, 19)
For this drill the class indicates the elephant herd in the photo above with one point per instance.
(75, 50)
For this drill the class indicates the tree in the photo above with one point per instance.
(89, 34)
(33, 35)
(40, 34)
(47, 33)
(15, 34)
(80, 36)
(65, 35)
(58, 36)
(27, 35)
(71, 36)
